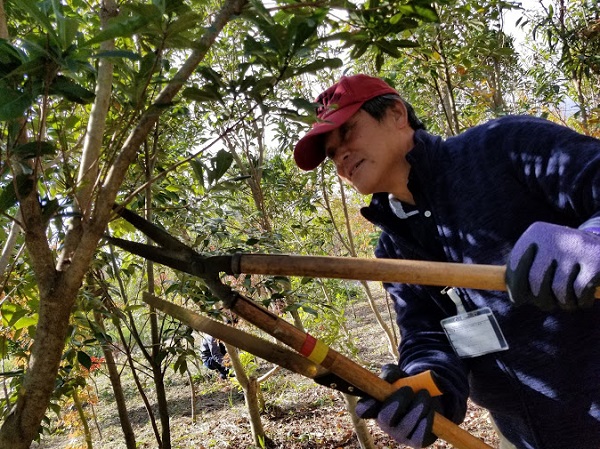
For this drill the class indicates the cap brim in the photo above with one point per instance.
(310, 151)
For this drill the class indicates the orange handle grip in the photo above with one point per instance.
(421, 381)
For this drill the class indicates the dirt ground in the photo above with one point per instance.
(299, 414)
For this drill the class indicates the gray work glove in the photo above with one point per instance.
(405, 415)
(552, 265)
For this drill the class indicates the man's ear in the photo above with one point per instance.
(400, 114)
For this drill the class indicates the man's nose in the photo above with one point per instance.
(341, 154)
(340, 158)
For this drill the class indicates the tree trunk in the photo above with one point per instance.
(498, 105)
(115, 381)
(250, 386)
(192, 394)
(156, 359)
(3, 24)
(391, 338)
(139, 386)
(365, 439)
(83, 418)
(163, 406)
(581, 102)
(9, 245)
(21, 426)
(253, 406)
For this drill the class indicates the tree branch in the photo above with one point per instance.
(110, 187)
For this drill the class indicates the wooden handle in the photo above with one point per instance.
(443, 274)
(458, 437)
(266, 350)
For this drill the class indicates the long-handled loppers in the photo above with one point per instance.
(179, 256)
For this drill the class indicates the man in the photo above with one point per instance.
(520, 191)
(212, 353)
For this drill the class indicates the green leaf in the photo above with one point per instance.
(211, 75)
(134, 307)
(195, 94)
(258, 13)
(40, 17)
(403, 23)
(221, 163)
(309, 310)
(379, 61)
(15, 373)
(121, 54)
(13, 104)
(304, 29)
(120, 26)
(56, 408)
(239, 178)
(67, 27)
(359, 50)
(10, 313)
(423, 12)
(72, 91)
(198, 169)
(320, 64)
(8, 195)
(183, 23)
(34, 149)
(404, 43)
(388, 48)
(84, 359)
(26, 321)
(10, 58)
(50, 208)
(505, 51)
(180, 365)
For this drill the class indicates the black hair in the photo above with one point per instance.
(378, 106)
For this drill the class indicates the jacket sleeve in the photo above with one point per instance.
(424, 345)
(557, 163)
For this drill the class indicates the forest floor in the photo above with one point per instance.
(299, 414)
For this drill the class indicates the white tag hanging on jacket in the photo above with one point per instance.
(474, 333)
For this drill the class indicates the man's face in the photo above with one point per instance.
(368, 153)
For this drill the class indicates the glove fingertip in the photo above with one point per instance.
(516, 275)
(391, 372)
(588, 296)
(367, 408)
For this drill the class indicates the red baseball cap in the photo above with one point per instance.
(337, 104)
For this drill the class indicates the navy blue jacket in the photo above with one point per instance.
(211, 349)
(477, 193)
